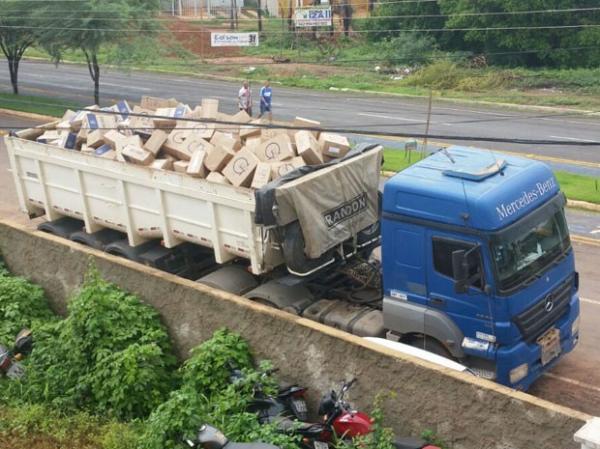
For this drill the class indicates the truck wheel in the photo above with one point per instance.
(293, 252)
(291, 298)
(62, 227)
(431, 345)
(230, 278)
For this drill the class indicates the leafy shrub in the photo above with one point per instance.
(406, 49)
(442, 74)
(207, 396)
(22, 304)
(111, 355)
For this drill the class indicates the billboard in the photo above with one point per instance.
(234, 39)
(313, 16)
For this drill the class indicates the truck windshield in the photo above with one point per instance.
(530, 246)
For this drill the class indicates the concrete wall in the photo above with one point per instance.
(468, 412)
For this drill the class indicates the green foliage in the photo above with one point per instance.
(381, 438)
(110, 356)
(37, 422)
(207, 396)
(406, 49)
(22, 304)
(432, 438)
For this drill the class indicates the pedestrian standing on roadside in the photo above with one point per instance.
(245, 98)
(266, 95)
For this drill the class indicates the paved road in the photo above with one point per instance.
(334, 109)
(575, 382)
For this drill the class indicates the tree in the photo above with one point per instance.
(527, 44)
(89, 26)
(16, 34)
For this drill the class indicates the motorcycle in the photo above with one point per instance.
(289, 401)
(209, 437)
(10, 359)
(341, 421)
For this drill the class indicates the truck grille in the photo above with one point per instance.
(538, 318)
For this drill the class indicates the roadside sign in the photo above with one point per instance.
(314, 16)
(234, 39)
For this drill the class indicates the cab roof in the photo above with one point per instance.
(470, 187)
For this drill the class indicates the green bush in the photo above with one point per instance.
(405, 49)
(22, 304)
(110, 356)
(207, 396)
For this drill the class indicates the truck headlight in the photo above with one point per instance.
(518, 373)
(575, 326)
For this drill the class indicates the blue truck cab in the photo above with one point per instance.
(478, 264)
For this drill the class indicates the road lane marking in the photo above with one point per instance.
(575, 139)
(590, 301)
(145, 89)
(573, 382)
(391, 117)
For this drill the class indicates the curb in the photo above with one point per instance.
(344, 89)
(30, 115)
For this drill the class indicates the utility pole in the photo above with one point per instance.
(259, 14)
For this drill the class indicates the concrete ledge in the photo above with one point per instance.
(467, 412)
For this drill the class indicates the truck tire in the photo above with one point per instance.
(291, 298)
(98, 240)
(122, 248)
(62, 227)
(230, 278)
(293, 252)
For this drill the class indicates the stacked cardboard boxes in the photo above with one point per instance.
(164, 134)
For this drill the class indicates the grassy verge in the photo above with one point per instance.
(576, 187)
(36, 105)
(27, 426)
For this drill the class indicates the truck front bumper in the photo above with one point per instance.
(509, 358)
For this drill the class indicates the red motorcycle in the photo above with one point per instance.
(341, 421)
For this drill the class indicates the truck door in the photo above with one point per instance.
(471, 311)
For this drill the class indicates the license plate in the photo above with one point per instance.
(299, 405)
(321, 445)
(550, 344)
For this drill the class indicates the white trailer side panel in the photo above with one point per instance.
(139, 201)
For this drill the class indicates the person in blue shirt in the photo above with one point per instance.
(266, 94)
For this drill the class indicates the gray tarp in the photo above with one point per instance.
(332, 203)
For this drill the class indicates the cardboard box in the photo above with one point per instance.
(141, 125)
(180, 166)
(202, 130)
(65, 125)
(112, 137)
(210, 108)
(162, 164)
(106, 152)
(231, 142)
(270, 133)
(334, 145)
(156, 141)
(241, 117)
(95, 138)
(251, 131)
(279, 169)
(169, 116)
(156, 102)
(49, 136)
(278, 148)
(175, 144)
(308, 148)
(137, 155)
(262, 175)
(217, 158)
(194, 144)
(240, 169)
(196, 166)
(226, 124)
(217, 178)
(253, 142)
(300, 122)
(86, 149)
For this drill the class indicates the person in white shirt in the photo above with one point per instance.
(245, 98)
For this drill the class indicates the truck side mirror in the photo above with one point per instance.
(460, 270)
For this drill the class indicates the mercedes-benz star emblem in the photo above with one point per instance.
(549, 304)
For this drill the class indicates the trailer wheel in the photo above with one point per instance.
(293, 252)
(230, 278)
(291, 298)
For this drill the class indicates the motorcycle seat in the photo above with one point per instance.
(249, 446)
(409, 443)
